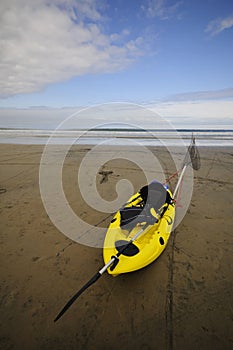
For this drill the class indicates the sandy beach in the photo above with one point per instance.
(182, 301)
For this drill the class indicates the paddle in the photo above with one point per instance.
(114, 261)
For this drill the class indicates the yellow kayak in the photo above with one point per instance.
(158, 221)
(139, 232)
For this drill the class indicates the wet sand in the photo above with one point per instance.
(182, 301)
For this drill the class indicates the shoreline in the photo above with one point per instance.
(205, 137)
(222, 143)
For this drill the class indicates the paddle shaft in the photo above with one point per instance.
(179, 180)
(98, 274)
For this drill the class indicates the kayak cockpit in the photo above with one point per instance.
(149, 212)
(148, 205)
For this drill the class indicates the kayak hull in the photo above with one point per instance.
(148, 246)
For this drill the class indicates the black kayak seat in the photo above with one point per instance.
(154, 196)
(128, 215)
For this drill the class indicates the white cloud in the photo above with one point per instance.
(213, 113)
(160, 9)
(44, 42)
(185, 114)
(203, 95)
(218, 25)
(198, 110)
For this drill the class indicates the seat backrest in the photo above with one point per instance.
(155, 194)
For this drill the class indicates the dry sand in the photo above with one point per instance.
(182, 301)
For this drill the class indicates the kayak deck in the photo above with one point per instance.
(145, 249)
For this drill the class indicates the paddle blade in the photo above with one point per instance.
(72, 300)
(193, 156)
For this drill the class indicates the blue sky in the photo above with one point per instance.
(174, 56)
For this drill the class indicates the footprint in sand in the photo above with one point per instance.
(105, 174)
(35, 258)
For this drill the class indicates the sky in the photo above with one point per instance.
(173, 56)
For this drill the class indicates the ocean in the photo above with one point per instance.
(204, 137)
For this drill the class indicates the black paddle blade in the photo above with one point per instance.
(72, 300)
(193, 157)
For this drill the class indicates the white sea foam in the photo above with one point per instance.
(148, 137)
